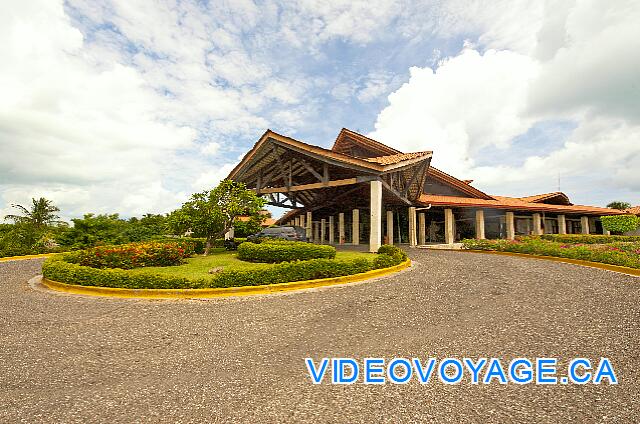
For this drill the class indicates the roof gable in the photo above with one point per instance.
(459, 185)
(353, 144)
(555, 198)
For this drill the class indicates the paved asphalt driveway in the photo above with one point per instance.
(67, 358)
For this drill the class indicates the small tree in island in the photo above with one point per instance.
(211, 213)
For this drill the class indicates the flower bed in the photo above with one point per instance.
(59, 269)
(588, 238)
(133, 255)
(620, 253)
(275, 251)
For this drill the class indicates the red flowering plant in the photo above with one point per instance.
(134, 255)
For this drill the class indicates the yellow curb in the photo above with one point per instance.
(18, 258)
(219, 292)
(615, 268)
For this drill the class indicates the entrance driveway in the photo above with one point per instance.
(66, 358)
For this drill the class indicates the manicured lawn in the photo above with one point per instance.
(198, 266)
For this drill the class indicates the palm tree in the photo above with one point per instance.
(42, 214)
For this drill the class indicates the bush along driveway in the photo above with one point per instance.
(599, 249)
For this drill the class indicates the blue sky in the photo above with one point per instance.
(129, 107)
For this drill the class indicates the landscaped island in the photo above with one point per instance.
(171, 265)
(613, 250)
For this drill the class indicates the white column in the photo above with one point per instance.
(323, 230)
(510, 222)
(562, 224)
(413, 239)
(355, 227)
(537, 224)
(341, 228)
(375, 221)
(390, 227)
(584, 221)
(309, 226)
(316, 232)
(422, 228)
(480, 224)
(332, 238)
(449, 236)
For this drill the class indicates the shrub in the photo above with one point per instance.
(133, 255)
(620, 223)
(388, 249)
(274, 251)
(609, 254)
(58, 269)
(588, 238)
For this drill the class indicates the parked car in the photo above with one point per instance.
(285, 233)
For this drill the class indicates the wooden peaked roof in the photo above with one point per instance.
(304, 175)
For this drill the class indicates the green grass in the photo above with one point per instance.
(198, 266)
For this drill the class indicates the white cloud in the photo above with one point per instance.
(376, 85)
(471, 101)
(573, 61)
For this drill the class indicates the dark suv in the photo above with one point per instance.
(285, 233)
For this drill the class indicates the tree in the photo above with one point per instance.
(619, 205)
(94, 229)
(212, 213)
(42, 214)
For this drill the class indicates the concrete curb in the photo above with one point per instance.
(614, 268)
(20, 258)
(218, 292)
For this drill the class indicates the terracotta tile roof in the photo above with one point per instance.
(399, 157)
(634, 210)
(266, 223)
(503, 202)
(540, 197)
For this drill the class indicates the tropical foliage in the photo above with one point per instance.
(92, 230)
(212, 213)
(273, 251)
(619, 205)
(619, 253)
(133, 255)
(33, 231)
(620, 223)
(41, 214)
(58, 268)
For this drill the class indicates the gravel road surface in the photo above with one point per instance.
(66, 358)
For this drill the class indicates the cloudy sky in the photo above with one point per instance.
(121, 106)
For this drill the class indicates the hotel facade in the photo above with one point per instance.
(362, 191)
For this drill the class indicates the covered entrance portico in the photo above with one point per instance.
(338, 198)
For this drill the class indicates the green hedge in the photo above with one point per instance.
(55, 268)
(200, 242)
(275, 251)
(588, 238)
(611, 254)
(620, 223)
(391, 250)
